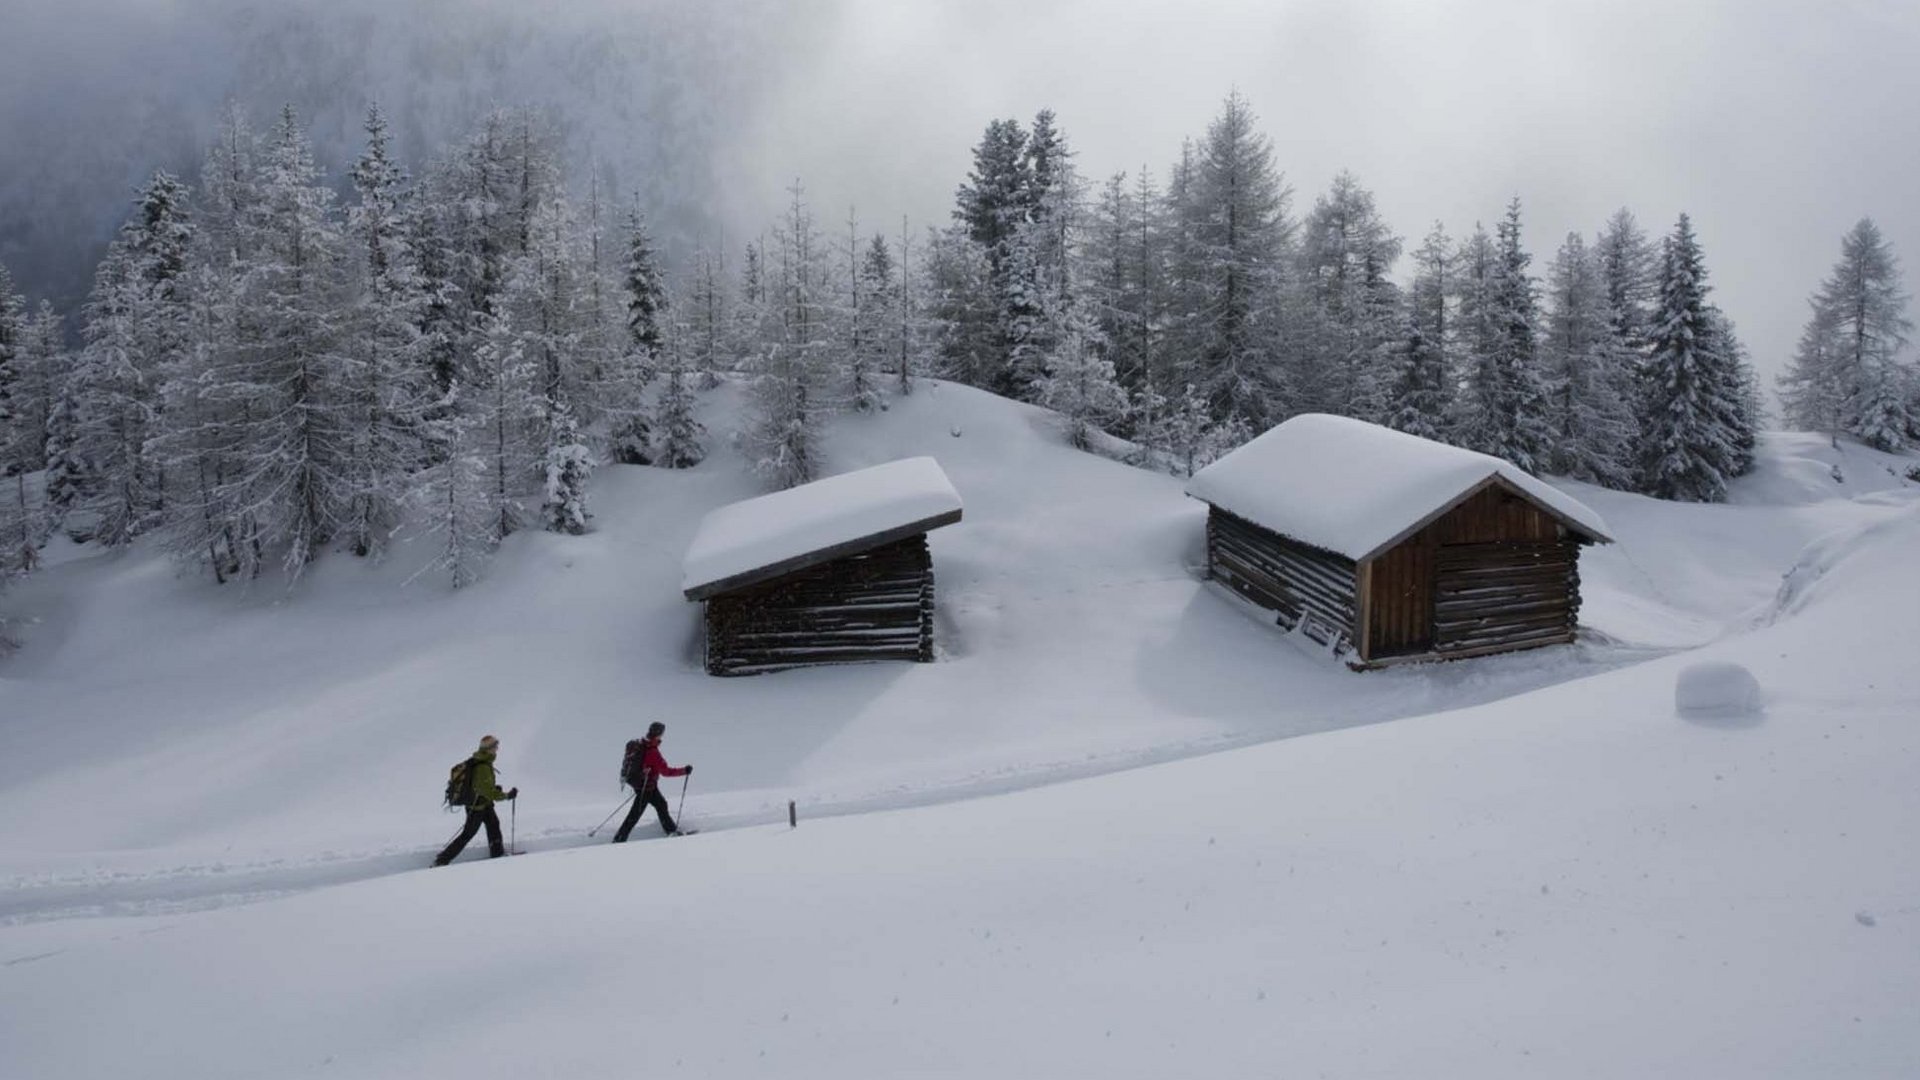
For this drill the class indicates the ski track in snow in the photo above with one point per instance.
(206, 885)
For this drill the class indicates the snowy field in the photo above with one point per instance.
(1539, 869)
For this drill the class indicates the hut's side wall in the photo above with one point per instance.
(1400, 599)
(1291, 579)
(876, 605)
(1505, 577)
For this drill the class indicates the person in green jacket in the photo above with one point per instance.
(486, 792)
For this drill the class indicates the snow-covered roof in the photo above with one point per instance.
(1355, 488)
(765, 537)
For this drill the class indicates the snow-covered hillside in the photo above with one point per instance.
(1540, 870)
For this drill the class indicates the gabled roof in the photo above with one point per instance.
(760, 539)
(1356, 489)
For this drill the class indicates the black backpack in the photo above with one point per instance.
(632, 763)
(460, 786)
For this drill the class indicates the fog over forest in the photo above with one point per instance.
(1775, 125)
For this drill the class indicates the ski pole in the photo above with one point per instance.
(684, 781)
(513, 827)
(609, 817)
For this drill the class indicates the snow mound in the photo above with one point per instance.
(1807, 578)
(1719, 687)
(1352, 488)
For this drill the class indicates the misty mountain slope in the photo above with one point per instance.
(294, 738)
(1572, 881)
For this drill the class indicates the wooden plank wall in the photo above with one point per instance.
(1492, 574)
(1400, 608)
(1293, 580)
(876, 605)
(1505, 595)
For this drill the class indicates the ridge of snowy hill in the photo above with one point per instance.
(1568, 881)
(278, 741)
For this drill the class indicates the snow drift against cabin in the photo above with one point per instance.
(1351, 487)
(760, 532)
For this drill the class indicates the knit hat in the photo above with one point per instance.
(488, 742)
(656, 729)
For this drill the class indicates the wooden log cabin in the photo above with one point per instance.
(833, 572)
(1392, 548)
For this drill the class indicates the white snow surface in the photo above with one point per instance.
(1350, 487)
(1716, 686)
(1123, 827)
(759, 532)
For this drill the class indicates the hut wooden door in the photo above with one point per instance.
(1400, 618)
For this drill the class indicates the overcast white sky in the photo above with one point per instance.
(1775, 125)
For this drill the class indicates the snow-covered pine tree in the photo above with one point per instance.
(961, 310)
(68, 476)
(288, 383)
(453, 492)
(1080, 384)
(860, 333)
(882, 296)
(1848, 375)
(787, 400)
(994, 205)
(678, 433)
(1107, 283)
(1503, 403)
(1736, 391)
(19, 531)
(1588, 373)
(708, 321)
(1346, 253)
(1422, 386)
(1241, 235)
(907, 323)
(385, 370)
(505, 404)
(1627, 265)
(646, 306)
(1685, 450)
(602, 335)
(568, 465)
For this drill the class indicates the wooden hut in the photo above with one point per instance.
(1390, 547)
(833, 572)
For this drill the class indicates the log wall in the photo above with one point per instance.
(874, 605)
(1500, 595)
(1299, 583)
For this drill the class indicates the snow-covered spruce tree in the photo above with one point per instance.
(1123, 287)
(1736, 390)
(1241, 236)
(678, 433)
(505, 404)
(1627, 264)
(1502, 406)
(19, 531)
(288, 383)
(69, 477)
(646, 306)
(908, 325)
(1685, 450)
(1588, 373)
(452, 493)
(960, 307)
(787, 399)
(993, 206)
(1080, 384)
(880, 340)
(858, 334)
(1421, 389)
(568, 464)
(602, 336)
(1848, 375)
(708, 320)
(1351, 307)
(137, 331)
(385, 369)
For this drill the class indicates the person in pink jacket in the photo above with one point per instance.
(644, 771)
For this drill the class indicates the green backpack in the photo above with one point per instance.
(460, 786)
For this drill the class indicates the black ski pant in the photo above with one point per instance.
(476, 818)
(654, 799)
